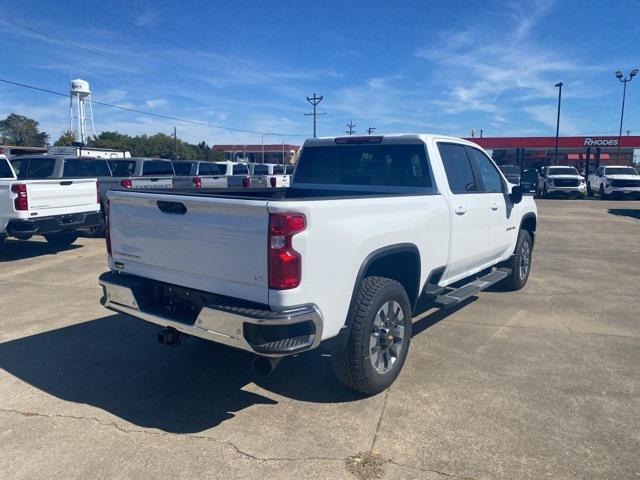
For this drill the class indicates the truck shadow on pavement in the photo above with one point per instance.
(22, 249)
(115, 364)
(626, 212)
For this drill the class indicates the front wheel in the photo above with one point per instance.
(379, 338)
(61, 239)
(520, 262)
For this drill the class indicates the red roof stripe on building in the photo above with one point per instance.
(631, 141)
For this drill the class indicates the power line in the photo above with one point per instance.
(351, 128)
(152, 114)
(315, 100)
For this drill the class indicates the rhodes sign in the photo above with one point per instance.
(600, 142)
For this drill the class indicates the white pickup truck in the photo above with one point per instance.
(562, 181)
(275, 175)
(614, 180)
(369, 226)
(56, 209)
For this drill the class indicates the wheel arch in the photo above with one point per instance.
(529, 222)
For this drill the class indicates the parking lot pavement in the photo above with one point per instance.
(544, 382)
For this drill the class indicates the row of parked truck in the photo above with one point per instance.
(59, 196)
(606, 181)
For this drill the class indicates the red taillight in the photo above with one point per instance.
(285, 264)
(197, 182)
(107, 232)
(246, 183)
(126, 183)
(22, 201)
(273, 181)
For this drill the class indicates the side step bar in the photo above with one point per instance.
(470, 289)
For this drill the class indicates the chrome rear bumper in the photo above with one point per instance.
(261, 331)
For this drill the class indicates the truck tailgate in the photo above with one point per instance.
(217, 245)
(58, 197)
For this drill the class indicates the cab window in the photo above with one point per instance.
(487, 171)
(458, 168)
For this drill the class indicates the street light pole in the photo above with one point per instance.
(624, 80)
(559, 86)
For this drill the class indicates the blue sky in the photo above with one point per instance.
(399, 66)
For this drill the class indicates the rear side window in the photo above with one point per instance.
(33, 168)
(79, 168)
(240, 170)
(260, 170)
(182, 168)
(458, 168)
(209, 169)
(122, 168)
(491, 180)
(5, 169)
(278, 170)
(379, 165)
(157, 167)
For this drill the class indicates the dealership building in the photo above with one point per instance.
(584, 153)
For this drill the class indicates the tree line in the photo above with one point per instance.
(23, 131)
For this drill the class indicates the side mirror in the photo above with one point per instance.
(516, 194)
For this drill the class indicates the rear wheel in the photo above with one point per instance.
(61, 239)
(2, 239)
(520, 262)
(602, 194)
(379, 338)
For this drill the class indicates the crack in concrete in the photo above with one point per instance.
(425, 470)
(122, 429)
(384, 407)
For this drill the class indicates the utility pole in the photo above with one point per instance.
(175, 143)
(262, 135)
(351, 127)
(315, 100)
(628, 132)
(283, 152)
(481, 132)
(559, 85)
(624, 80)
(370, 130)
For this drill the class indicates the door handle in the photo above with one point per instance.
(460, 210)
(494, 206)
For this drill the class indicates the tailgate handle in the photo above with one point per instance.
(172, 207)
(66, 183)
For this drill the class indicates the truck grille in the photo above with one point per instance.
(565, 182)
(625, 183)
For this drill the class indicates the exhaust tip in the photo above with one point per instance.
(264, 366)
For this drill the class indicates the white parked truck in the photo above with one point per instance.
(56, 209)
(614, 180)
(369, 226)
(275, 175)
(198, 174)
(561, 181)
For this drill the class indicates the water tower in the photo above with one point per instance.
(79, 114)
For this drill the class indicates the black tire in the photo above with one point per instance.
(2, 239)
(602, 194)
(518, 278)
(589, 191)
(61, 239)
(354, 366)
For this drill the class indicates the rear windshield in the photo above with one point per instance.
(383, 165)
(122, 168)
(260, 170)
(620, 171)
(157, 167)
(240, 170)
(509, 169)
(289, 170)
(563, 171)
(278, 170)
(209, 169)
(223, 168)
(5, 169)
(33, 168)
(182, 168)
(81, 168)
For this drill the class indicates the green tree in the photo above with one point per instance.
(67, 138)
(20, 130)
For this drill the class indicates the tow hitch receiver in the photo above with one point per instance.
(170, 337)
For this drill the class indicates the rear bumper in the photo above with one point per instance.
(261, 331)
(53, 224)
